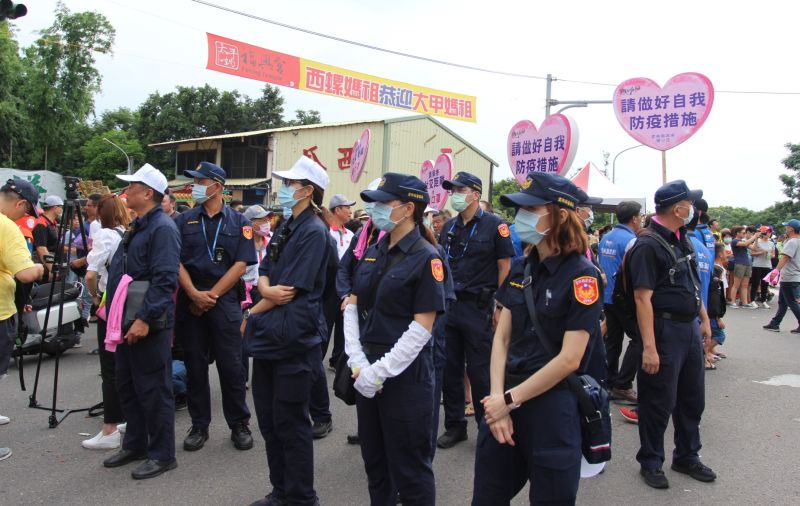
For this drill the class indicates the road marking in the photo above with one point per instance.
(784, 380)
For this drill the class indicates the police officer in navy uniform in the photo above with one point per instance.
(284, 333)
(668, 303)
(397, 292)
(479, 249)
(531, 431)
(149, 251)
(217, 248)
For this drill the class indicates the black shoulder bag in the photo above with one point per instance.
(137, 290)
(343, 382)
(592, 398)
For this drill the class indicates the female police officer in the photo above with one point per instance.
(533, 419)
(397, 292)
(284, 332)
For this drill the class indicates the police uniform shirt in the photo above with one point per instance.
(474, 249)
(649, 268)
(566, 293)
(413, 286)
(610, 254)
(153, 254)
(303, 263)
(210, 246)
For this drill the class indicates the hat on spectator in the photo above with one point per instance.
(305, 168)
(794, 223)
(25, 190)
(339, 200)
(147, 175)
(255, 213)
(52, 201)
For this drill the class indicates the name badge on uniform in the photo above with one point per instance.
(219, 254)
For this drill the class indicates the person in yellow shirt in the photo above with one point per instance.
(17, 197)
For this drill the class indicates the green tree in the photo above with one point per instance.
(310, 117)
(14, 127)
(500, 188)
(791, 181)
(61, 79)
(102, 161)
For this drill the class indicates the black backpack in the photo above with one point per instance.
(716, 295)
(622, 295)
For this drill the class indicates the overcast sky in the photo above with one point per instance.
(735, 157)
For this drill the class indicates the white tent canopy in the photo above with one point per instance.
(596, 184)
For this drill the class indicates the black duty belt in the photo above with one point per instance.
(464, 296)
(681, 318)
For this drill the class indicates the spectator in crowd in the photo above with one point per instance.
(340, 208)
(763, 251)
(236, 205)
(611, 252)
(486, 206)
(437, 221)
(168, 204)
(713, 226)
(17, 197)
(743, 267)
(114, 218)
(789, 268)
(716, 308)
(45, 233)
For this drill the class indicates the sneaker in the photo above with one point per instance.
(4, 420)
(733, 305)
(629, 414)
(623, 394)
(654, 478)
(771, 327)
(751, 305)
(103, 442)
(5, 453)
(698, 471)
(321, 429)
(452, 437)
(122, 427)
(764, 305)
(795, 331)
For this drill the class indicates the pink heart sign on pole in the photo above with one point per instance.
(359, 155)
(550, 148)
(433, 175)
(664, 117)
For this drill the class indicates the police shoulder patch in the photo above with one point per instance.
(247, 232)
(503, 229)
(586, 290)
(437, 269)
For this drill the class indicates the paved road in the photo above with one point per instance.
(750, 435)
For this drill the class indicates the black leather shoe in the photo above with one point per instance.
(353, 439)
(698, 471)
(242, 437)
(322, 429)
(196, 438)
(123, 457)
(654, 478)
(452, 437)
(152, 468)
(270, 500)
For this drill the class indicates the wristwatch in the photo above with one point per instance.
(509, 398)
(246, 314)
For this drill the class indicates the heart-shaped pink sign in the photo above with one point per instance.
(359, 155)
(664, 117)
(549, 148)
(433, 175)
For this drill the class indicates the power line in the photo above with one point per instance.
(443, 62)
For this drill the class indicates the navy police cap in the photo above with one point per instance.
(542, 188)
(675, 191)
(397, 186)
(462, 179)
(207, 170)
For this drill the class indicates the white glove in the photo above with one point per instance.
(368, 383)
(404, 351)
(356, 360)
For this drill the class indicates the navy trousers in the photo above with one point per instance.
(468, 337)
(319, 405)
(281, 390)
(395, 430)
(677, 390)
(144, 383)
(547, 452)
(215, 335)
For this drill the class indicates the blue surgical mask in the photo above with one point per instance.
(525, 223)
(287, 212)
(286, 196)
(382, 217)
(368, 207)
(426, 221)
(459, 201)
(689, 216)
(199, 193)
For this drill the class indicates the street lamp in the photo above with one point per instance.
(130, 162)
(614, 162)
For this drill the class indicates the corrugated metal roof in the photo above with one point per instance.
(165, 145)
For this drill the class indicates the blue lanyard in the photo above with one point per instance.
(211, 248)
(466, 246)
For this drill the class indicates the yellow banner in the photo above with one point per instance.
(343, 83)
